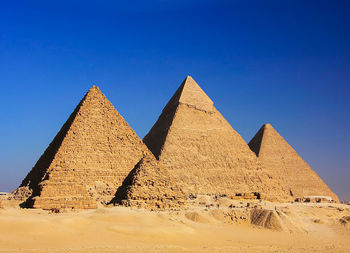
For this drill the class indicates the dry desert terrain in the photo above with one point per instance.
(207, 225)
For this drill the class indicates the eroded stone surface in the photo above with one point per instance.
(284, 164)
(149, 185)
(203, 152)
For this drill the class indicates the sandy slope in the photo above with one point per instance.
(305, 228)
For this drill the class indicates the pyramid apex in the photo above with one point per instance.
(94, 87)
(192, 94)
(189, 81)
(189, 93)
(267, 125)
(95, 91)
(188, 77)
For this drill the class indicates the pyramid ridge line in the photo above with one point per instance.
(40, 189)
(188, 77)
(282, 160)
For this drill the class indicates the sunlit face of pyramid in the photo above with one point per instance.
(202, 151)
(87, 160)
(285, 164)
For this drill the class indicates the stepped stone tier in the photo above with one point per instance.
(87, 160)
(203, 152)
(149, 185)
(284, 163)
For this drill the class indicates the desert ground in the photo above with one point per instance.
(207, 225)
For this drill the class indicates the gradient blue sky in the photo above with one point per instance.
(282, 62)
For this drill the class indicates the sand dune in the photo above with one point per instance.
(280, 228)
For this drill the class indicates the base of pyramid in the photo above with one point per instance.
(88, 159)
(288, 168)
(159, 204)
(61, 203)
(150, 186)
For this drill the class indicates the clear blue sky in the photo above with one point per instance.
(282, 62)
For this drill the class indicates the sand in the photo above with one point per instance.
(302, 228)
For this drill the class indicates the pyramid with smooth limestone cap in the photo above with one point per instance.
(202, 151)
(87, 160)
(285, 164)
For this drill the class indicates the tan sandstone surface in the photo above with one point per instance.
(149, 185)
(285, 164)
(203, 152)
(87, 160)
(203, 227)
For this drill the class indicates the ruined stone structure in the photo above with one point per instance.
(203, 152)
(284, 164)
(149, 185)
(87, 160)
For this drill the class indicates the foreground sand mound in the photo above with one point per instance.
(203, 152)
(266, 218)
(87, 160)
(149, 185)
(196, 217)
(284, 163)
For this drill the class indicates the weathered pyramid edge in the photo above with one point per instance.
(53, 147)
(33, 178)
(30, 188)
(256, 143)
(155, 198)
(157, 135)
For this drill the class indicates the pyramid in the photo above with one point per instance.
(284, 163)
(202, 151)
(87, 160)
(149, 185)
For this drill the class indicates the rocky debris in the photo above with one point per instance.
(55, 210)
(87, 160)
(203, 152)
(317, 221)
(315, 199)
(284, 164)
(266, 218)
(237, 216)
(21, 193)
(149, 185)
(345, 220)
